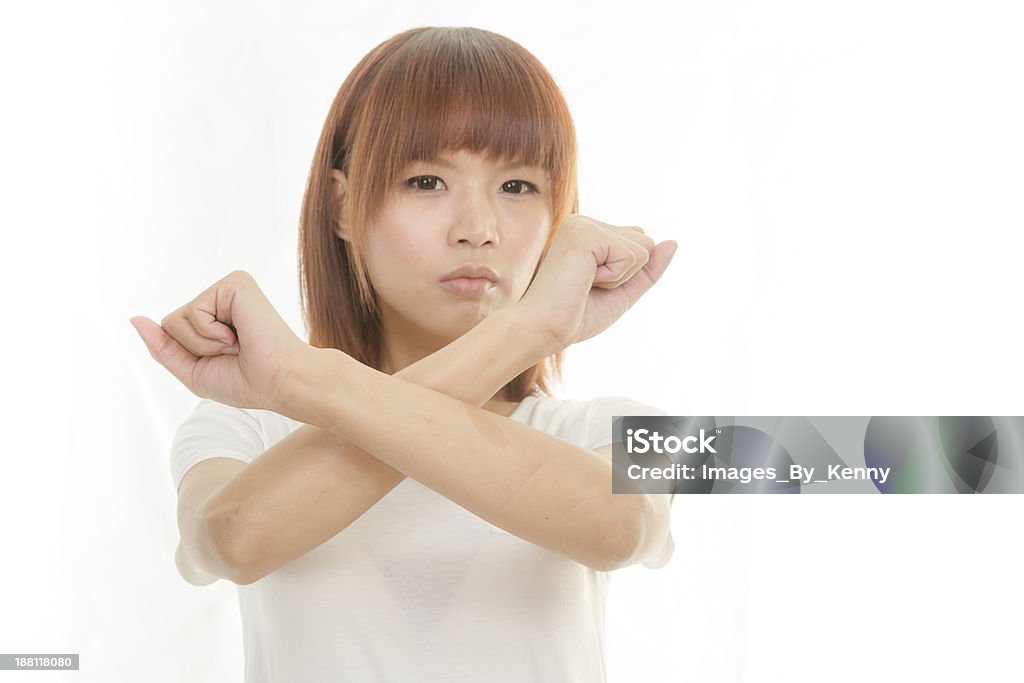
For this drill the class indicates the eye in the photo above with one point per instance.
(426, 182)
(519, 187)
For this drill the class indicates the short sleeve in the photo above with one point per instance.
(215, 430)
(599, 433)
(601, 411)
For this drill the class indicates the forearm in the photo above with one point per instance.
(312, 484)
(534, 485)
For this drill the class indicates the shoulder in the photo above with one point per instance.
(567, 408)
(212, 415)
(585, 422)
(215, 429)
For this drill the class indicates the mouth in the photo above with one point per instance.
(470, 281)
(468, 286)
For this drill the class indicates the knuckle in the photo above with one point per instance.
(193, 315)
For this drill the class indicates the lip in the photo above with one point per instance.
(473, 272)
(470, 281)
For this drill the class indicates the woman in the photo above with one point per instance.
(420, 508)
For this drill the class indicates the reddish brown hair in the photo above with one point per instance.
(414, 96)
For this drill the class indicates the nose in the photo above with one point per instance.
(475, 221)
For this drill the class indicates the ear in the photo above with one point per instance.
(339, 205)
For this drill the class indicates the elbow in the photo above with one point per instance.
(232, 548)
(621, 542)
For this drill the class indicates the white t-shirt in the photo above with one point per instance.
(418, 588)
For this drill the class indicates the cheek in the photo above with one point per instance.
(540, 234)
(527, 248)
(397, 257)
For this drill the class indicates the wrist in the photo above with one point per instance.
(527, 325)
(303, 379)
(532, 344)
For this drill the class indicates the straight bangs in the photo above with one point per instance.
(488, 102)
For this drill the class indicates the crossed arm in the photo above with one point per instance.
(366, 431)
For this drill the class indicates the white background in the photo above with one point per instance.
(844, 181)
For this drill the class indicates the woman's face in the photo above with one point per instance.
(461, 210)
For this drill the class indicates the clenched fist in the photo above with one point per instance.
(228, 344)
(592, 274)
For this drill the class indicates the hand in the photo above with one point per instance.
(592, 274)
(228, 344)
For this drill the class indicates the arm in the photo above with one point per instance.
(534, 485)
(229, 344)
(312, 484)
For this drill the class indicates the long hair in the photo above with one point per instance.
(420, 93)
